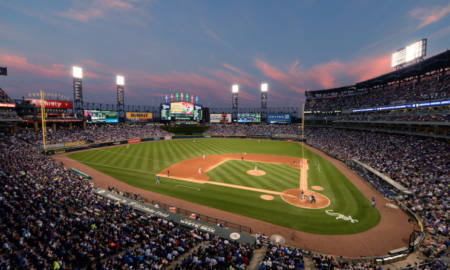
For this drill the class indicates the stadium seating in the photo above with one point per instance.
(50, 219)
(429, 89)
(95, 134)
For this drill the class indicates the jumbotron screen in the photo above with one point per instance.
(181, 111)
(249, 118)
(94, 116)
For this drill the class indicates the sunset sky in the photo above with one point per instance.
(204, 47)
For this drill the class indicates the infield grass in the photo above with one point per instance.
(138, 165)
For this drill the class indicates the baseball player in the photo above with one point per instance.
(301, 162)
(294, 162)
(373, 202)
(303, 194)
(313, 199)
(128, 146)
(157, 180)
(203, 156)
(245, 153)
(199, 170)
(258, 140)
(256, 169)
(194, 140)
(242, 158)
(318, 164)
(167, 173)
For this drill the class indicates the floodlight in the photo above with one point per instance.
(77, 72)
(120, 80)
(235, 88)
(264, 87)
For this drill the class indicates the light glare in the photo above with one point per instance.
(235, 88)
(77, 72)
(120, 80)
(264, 87)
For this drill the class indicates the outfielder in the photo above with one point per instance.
(301, 162)
(199, 170)
(194, 140)
(128, 146)
(157, 180)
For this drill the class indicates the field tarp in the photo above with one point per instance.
(180, 219)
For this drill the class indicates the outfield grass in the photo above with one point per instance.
(277, 178)
(138, 165)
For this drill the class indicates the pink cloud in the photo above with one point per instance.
(95, 9)
(429, 15)
(324, 76)
(82, 16)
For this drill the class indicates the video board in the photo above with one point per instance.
(278, 118)
(249, 118)
(220, 118)
(94, 116)
(181, 111)
(139, 117)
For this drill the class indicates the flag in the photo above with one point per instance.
(4, 71)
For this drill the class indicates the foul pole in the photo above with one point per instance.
(303, 121)
(44, 126)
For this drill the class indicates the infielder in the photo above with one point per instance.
(157, 180)
(167, 173)
(199, 170)
(256, 169)
(301, 163)
(245, 153)
(203, 156)
(303, 194)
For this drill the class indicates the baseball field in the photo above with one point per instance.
(229, 181)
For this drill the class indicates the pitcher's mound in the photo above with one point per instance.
(257, 173)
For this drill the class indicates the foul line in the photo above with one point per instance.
(187, 187)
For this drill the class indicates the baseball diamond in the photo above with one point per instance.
(225, 185)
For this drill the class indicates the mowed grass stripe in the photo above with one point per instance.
(239, 171)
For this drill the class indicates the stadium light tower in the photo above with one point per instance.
(235, 91)
(78, 90)
(264, 88)
(120, 95)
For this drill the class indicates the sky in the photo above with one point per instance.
(204, 47)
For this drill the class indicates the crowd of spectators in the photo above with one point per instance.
(94, 134)
(282, 257)
(217, 254)
(50, 219)
(401, 118)
(9, 115)
(242, 130)
(429, 89)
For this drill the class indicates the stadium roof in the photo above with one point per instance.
(436, 62)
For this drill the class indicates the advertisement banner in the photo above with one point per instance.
(168, 138)
(183, 220)
(139, 117)
(134, 140)
(283, 118)
(75, 143)
(8, 105)
(220, 118)
(156, 139)
(52, 104)
(289, 140)
(207, 136)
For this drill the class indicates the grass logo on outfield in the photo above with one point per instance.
(341, 216)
